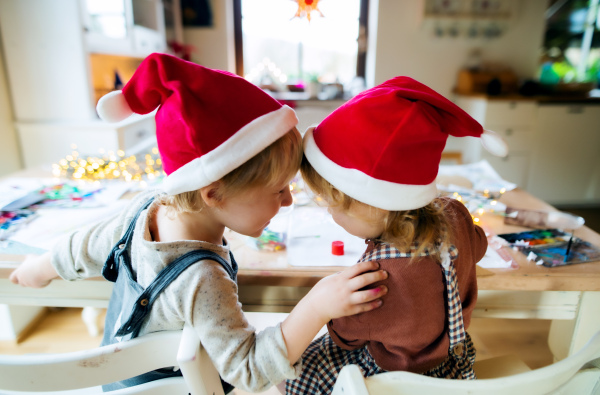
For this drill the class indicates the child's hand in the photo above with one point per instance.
(334, 296)
(35, 271)
(340, 294)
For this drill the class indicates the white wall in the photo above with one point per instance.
(214, 45)
(406, 45)
(10, 158)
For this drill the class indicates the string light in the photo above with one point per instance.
(266, 72)
(479, 203)
(110, 166)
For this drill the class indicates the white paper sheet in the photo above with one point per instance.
(311, 232)
(492, 260)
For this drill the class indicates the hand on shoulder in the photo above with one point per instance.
(343, 293)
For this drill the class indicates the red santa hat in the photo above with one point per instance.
(209, 122)
(383, 147)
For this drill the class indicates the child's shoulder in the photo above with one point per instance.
(455, 210)
(141, 199)
(137, 202)
(452, 205)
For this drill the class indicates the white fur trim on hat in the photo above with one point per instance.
(366, 189)
(235, 151)
(494, 143)
(113, 107)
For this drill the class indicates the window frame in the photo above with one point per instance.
(361, 59)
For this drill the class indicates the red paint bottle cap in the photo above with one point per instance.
(337, 247)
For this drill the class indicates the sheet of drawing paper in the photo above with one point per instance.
(311, 232)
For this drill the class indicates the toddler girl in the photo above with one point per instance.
(374, 162)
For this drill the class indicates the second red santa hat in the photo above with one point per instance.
(383, 147)
(208, 122)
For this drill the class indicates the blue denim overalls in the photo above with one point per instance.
(130, 304)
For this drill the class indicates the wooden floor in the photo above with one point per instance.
(62, 330)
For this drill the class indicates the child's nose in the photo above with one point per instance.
(287, 198)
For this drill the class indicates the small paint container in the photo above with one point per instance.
(337, 247)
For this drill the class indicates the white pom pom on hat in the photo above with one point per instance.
(113, 107)
(494, 143)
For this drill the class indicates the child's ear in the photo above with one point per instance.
(211, 194)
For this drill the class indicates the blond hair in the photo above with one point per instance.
(279, 161)
(417, 231)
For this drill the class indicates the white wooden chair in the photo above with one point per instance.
(85, 371)
(578, 374)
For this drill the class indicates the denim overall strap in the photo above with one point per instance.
(127, 295)
(110, 271)
(144, 302)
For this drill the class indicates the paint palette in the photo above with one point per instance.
(536, 237)
(11, 221)
(554, 255)
(550, 246)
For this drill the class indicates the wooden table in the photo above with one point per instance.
(569, 295)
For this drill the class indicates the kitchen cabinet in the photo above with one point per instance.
(126, 27)
(50, 48)
(566, 163)
(48, 45)
(312, 112)
(553, 146)
(47, 143)
(515, 121)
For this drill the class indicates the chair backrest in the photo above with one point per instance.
(89, 369)
(578, 374)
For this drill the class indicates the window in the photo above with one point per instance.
(571, 42)
(278, 51)
(107, 17)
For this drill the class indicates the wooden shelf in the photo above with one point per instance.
(462, 16)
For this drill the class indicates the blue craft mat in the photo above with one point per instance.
(11, 247)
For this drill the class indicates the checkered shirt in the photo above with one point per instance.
(323, 359)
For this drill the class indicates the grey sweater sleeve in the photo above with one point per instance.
(82, 253)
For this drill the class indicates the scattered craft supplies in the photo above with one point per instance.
(481, 175)
(477, 185)
(270, 241)
(11, 221)
(20, 193)
(27, 200)
(549, 247)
